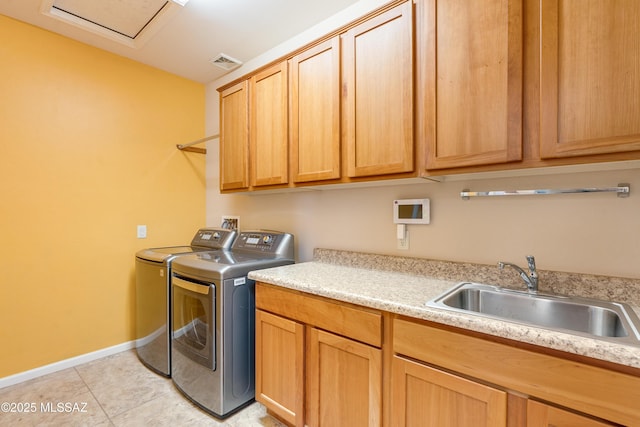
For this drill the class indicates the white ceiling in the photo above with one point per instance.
(185, 40)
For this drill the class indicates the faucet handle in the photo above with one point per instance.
(532, 263)
(530, 279)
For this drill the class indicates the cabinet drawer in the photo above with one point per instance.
(585, 388)
(343, 319)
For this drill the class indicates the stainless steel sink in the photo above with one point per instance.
(580, 316)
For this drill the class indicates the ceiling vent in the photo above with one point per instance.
(129, 22)
(225, 62)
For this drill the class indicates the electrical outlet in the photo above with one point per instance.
(404, 242)
(142, 232)
(231, 222)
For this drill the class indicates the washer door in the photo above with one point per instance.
(193, 310)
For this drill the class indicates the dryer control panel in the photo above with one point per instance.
(270, 242)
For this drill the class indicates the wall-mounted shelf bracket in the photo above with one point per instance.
(188, 146)
(622, 190)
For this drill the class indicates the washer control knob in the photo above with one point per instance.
(267, 239)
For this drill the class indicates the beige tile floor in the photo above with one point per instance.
(114, 391)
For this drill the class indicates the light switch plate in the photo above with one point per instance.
(142, 232)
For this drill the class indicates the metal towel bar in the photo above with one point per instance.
(623, 190)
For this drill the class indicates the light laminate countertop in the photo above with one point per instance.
(403, 286)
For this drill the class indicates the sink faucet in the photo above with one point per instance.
(531, 279)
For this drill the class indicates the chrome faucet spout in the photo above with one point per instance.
(531, 278)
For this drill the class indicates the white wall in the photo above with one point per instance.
(584, 233)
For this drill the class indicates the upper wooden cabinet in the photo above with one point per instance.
(590, 77)
(268, 132)
(378, 94)
(314, 118)
(470, 81)
(234, 137)
(437, 87)
(335, 111)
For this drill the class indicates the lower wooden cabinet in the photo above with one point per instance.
(427, 397)
(542, 415)
(471, 367)
(280, 366)
(318, 362)
(424, 396)
(325, 363)
(344, 382)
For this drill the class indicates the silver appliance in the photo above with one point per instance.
(153, 290)
(213, 340)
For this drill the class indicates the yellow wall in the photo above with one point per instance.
(87, 152)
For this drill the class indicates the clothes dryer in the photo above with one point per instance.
(213, 306)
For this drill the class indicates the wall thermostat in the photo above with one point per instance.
(411, 211)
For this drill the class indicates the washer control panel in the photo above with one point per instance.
(216, 238)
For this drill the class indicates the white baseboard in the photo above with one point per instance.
(152, 336)
(65, 364)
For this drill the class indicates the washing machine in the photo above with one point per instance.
(153, 294)
(213, 309)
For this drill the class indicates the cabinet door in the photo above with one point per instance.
(589, 77)
(378, 94)
(268, 133)
(541, 415)
(344, 382)
(280, 366)
(315, 113)
(234, 137)
(426, 397)
(470, 70)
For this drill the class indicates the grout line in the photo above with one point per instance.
(92, 393)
